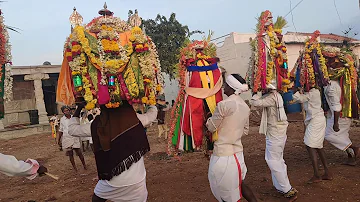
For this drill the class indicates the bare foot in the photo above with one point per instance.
(350, 162)
(314, 179)
(327, 176)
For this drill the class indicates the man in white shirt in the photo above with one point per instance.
(315, 123)
(30, 168)
(68, 142)
(337, 127)
(130, 184)
(227, 168)
(274, 125)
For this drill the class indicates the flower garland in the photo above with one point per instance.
(312, 65)
(80, 34)
(353, 73)
(113, 56)
(260, 60)
(309, 65)
(269, 58)
(118, 24)
(8, 80)
(98, 45)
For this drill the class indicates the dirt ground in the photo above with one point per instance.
(171, 180)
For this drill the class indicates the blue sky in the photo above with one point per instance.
(45, 24)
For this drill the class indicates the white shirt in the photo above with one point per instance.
(333, 96)
(231, 120)
(136, 173)
(10, 166)
(312, 103)
(273, 116)
(67, 140)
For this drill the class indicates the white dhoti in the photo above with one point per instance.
(274, 156)
(315, 132)
(339, 139)
(224, 176)
(131, 193)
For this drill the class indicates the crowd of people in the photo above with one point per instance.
(119, 148)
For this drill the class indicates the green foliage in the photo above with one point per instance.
(211, 48)
(280, 23)
(169, 35)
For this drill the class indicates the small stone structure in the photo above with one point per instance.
(30, 92)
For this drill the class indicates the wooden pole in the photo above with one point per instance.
(52, 176)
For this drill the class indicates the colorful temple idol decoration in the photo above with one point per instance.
(268, 63)
(109, 61)
(340, 63)
(200, 82)
(6, 80)
(310, 69)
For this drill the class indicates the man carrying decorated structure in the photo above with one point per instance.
(268, 73)
(311, 76)
(342, 99)
(112, 64)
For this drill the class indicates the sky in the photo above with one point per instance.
(45, 24)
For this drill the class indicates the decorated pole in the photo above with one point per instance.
(5, 67)
(268, 64)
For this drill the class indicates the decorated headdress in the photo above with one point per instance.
(267, 44)
(341, 67)
(200, 83)
(310, 69)
(6, 80)
(110, 61)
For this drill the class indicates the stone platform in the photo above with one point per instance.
(23, 131)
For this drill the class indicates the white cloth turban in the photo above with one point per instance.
(236, 85)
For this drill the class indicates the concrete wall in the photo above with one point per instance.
(235, 57)
(171, 88)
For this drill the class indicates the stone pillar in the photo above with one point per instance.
(39, 95)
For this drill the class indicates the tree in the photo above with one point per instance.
(169, 35)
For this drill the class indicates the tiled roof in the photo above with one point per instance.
(329, 38)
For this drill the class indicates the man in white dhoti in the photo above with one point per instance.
(274, 125)
(227, 168)
(30, 168)
(69, 143)
(121, 168)
(315, 123)
(337, 128)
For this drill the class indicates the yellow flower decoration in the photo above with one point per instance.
(136, 31)
(90, 106)
(147, 80)
(144, 100)
(158, 88)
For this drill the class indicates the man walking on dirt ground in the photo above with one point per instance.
(315, 122)
(337, 127)
(227, 168)
(274, 126)
(69, 143)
